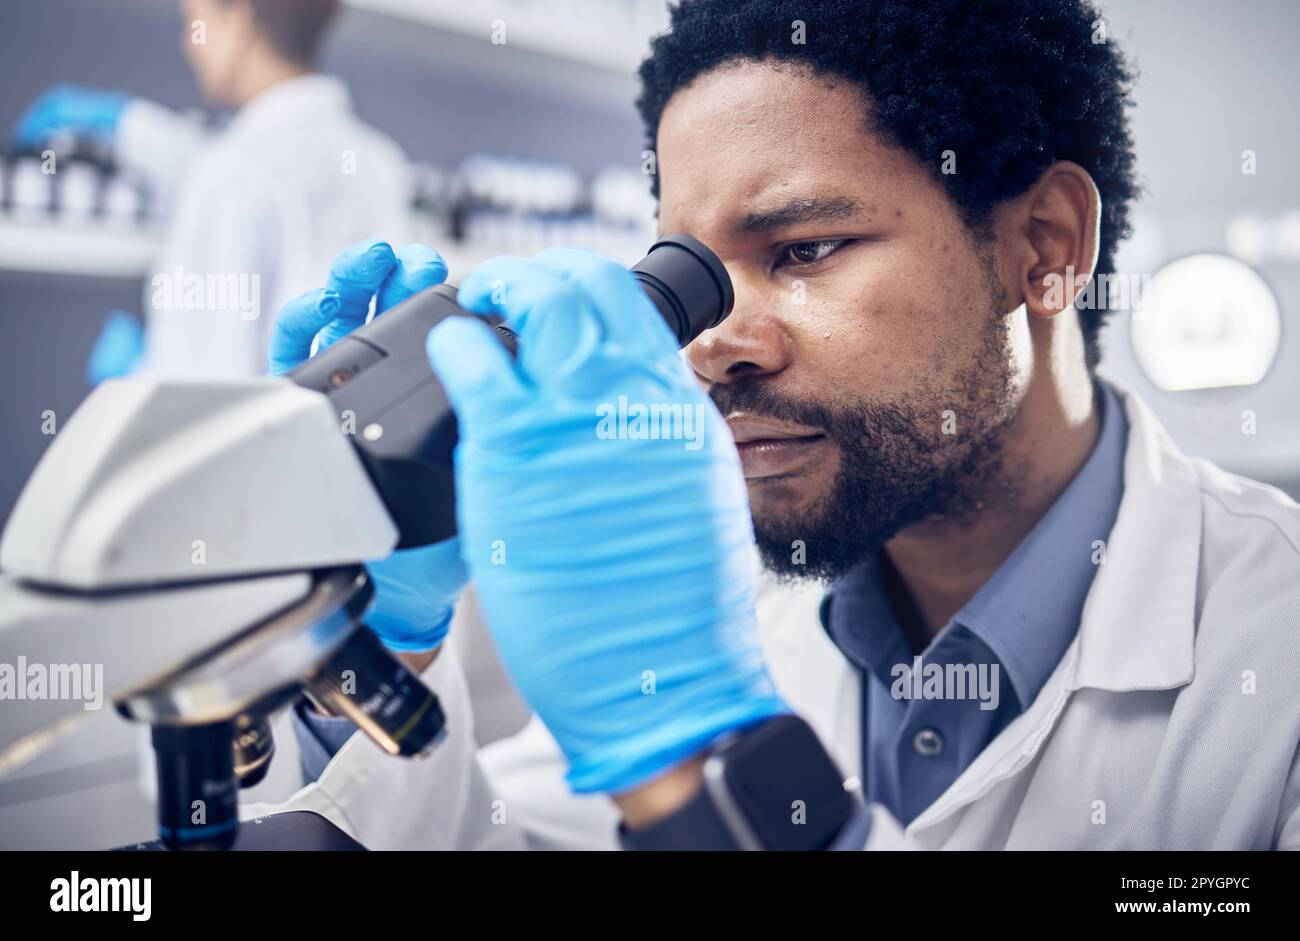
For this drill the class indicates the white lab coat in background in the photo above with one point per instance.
(1171, 722)
(293, 178)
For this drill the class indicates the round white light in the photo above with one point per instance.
(1206, 322)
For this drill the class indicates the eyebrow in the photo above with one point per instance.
(800, 212)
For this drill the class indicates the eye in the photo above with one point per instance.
(809, 253)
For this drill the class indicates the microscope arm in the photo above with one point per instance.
(156, 482)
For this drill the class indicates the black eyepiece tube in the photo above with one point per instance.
(687, 283)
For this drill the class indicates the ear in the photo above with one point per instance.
(1061, 230)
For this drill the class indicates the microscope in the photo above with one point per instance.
(202, 543)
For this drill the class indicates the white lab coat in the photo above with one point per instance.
(293, 178)
(1171, 722)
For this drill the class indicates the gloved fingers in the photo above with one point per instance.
(415, 594)
(356, 276)
(418, 267)
(625, 312)
(359, 272)
(297, 325)
(557, 325)
(34, 124)
(68, 106)
(436, 572)
(475, 369)
(40, 117)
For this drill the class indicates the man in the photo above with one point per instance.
(256, 211)
(1045, 628)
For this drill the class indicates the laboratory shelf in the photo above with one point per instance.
(93, 251)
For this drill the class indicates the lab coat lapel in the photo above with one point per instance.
(808, 670)
(1138, 623)
(1139, 620)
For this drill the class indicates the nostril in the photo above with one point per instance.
(743, 368)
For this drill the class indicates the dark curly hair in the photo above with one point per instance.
(1009, 85)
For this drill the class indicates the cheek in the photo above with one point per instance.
(873, 327)
(222, 52)
(927, 305)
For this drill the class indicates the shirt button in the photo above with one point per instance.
(927, 743)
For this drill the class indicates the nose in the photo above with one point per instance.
(751, 342)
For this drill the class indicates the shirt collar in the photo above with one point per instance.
(1029, 610)
(289, 100)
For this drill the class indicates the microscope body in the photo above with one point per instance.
(198, 544)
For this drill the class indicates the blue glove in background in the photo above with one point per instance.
(72, 108)
(118, 348)
(616, 573)
(415, 589)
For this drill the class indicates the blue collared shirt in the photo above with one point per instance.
(927, 714)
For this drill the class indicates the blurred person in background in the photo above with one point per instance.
(256, 210)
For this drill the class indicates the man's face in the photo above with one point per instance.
(215, 59)
(870, 368)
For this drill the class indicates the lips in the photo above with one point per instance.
(774, 449)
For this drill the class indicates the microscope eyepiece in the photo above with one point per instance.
(687, 283)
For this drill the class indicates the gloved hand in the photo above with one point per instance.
(117, 349)
(615, 572)
(88, 111)
(415, 589)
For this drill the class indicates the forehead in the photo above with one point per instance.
(750, 134)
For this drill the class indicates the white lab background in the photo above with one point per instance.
(541, 133)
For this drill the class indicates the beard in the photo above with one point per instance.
(898, 463)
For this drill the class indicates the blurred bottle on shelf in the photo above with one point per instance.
(430, 205)
(73, 183)
(29, 190)
(509, 205)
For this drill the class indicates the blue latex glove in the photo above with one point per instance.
(87, 111)
(118, 348)
(616, 574)
(415, 589)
